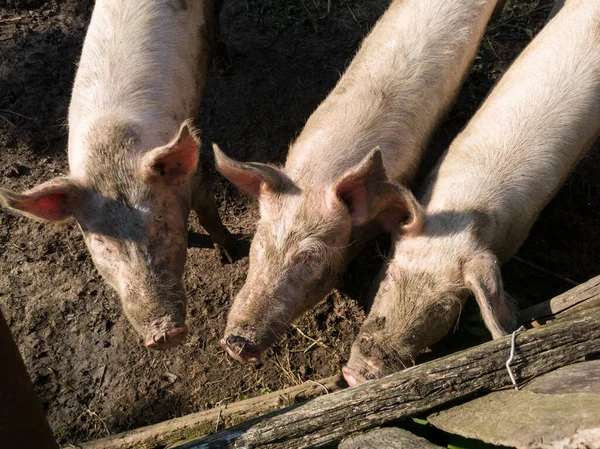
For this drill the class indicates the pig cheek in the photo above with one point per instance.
(339, 255)
(124, 277)
(176, 251)
(168, 243)
(309, 286)
(257, 256)
(104, 261)
(134, 308)
(257, 250)
(323, 273)
(130, 297)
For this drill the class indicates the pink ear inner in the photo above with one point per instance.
(248, 182)
(176, 163)
(354, 194)
(394, 215)
(52, 207)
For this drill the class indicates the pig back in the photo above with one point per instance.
(402, 80)
(143, 63)
(538, 122)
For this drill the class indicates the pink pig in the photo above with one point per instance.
(333, 194)
(485, 195)
(133, 156)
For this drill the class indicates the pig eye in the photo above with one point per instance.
(307, 257)
(100, 243)
(97, 242)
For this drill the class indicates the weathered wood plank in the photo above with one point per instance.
(203, 423)
(557, 410)
(387, 438)
(326, 420)
(577, 378)
(582, 297)
(526, 420)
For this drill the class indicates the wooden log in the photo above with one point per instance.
(326, 420)
(388, 438)
(196, 425)
(582, 297)
(22, 421)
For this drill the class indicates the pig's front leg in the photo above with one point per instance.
(203, 202)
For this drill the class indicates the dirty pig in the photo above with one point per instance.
(333, 194)
(133, 156)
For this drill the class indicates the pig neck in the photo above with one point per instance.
(491, 185)
(517, 151)
(445, 241)
(402, 80)
(139, 68)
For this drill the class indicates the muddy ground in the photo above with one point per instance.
(90, 369)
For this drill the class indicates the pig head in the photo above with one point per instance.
(132, 209)
(419, 296)
(303, 241)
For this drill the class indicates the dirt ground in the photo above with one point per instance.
(90, 369)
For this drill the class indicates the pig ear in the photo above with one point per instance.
(176, 161)
(482, 276)
(368, 195)
(51, 201)
(252, 178)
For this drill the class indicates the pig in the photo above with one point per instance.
(133, 156)
(334, 193)
(485, 194)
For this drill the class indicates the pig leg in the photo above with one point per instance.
(203, 202)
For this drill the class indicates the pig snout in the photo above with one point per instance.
(364, 364)
(159, 317)
(246, 341)
(167, 339)
(253, 325)
(352, 376)
(241, 349)
(158, 313)
(377, 354)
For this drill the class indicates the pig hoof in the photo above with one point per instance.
(234, 248)
(240, 349)
(351, 377)
(168, 339)
(225, 254)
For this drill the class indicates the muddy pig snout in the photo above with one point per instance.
(241, 349)
(167, 339)
(352, 376)
(364, 363)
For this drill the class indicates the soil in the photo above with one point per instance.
(91, 372)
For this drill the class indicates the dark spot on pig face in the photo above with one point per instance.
(296, 256)
(413, 309)
(136, 231)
